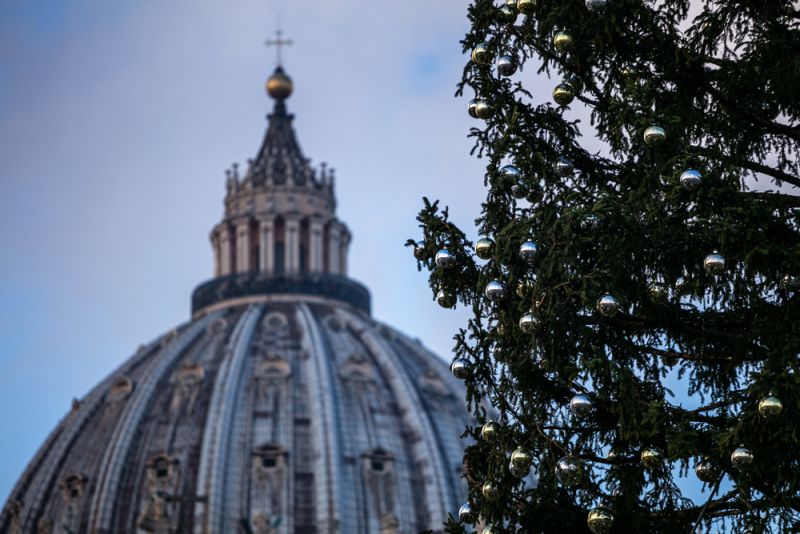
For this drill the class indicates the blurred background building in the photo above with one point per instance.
(281, 406)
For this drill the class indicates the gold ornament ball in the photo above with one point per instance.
(770, 406)
(490, 431)
(489, 490)
(526, 6)
(279, 85)
(651, 457)
(481, 54)
(484, 248)
(563, 42)
(563, 94)
(600, 520)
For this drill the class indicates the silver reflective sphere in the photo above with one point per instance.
(482, 54)
(564, 167)
(460, 368)
(521, 458)
(741, 458)
(690, 179)
(444, 259)
(465, 514)
(596, 5)
(563, 94)
(471, 108)
(770, 406)
(581, 405)
(600, 520)
(510, 172)
(706, 471)
(445, 299)
(527, 323)
(568, 470)
(419, 250)
(608, 305)
(714, 263)
(654, 135)
(484, 248)
(651, 457)
(528, 251)
(495, 290)
(506, 65)
(483, 109)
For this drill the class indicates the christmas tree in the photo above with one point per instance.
(635, 307)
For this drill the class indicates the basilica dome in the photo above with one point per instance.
(280, 406)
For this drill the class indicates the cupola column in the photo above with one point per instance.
(334, 249)
(316, 261)
(242, 247)
(292, 245)
(345, 244)
(267, 236)
(215, 244)
(225, 251)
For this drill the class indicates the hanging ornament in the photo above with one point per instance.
(581, 406)
(471, 108)
(526, 6)
(741, 458)
(510, 173)
(484, 248)
(658, 292)
(600, 520)
(569, 470)
(706, 471)
(489, 490)
(790, 282)
(651, 457)
(770, 406)
(465, 514)
(506, 65)
(490, 430)
(714, 263)
(445, 299)
(524, 288)
(564, 167)
(608, 305)
(460, 368)
(521, 459)
(444, 259)
(590, 222)
(563, 42)
(419, 250)
(527, 323)
(690, 179)
(596, 5)
(483, 109)
(527, 251)
(495, 290)
(518, 472)
(507, 14)
(563, 94)
(482, 54)
(654, 135)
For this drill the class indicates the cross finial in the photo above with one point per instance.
(279, 42)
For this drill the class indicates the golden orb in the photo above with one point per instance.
(279, 85)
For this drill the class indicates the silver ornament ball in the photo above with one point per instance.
(600, 520)
(506, 65)
(654, 135)
(521, 458)
(581, 405)
(465, 514)
(528, 251)
(519, 191)
(608, 305)
(564, 167)
(445, 299)
(495, 290)
(527, 323)
(510, 173)
(483, 109)
(444, 259)
(741, 458)
(471, 108)
(690, 179)
(568, 470)
(714, 263)
(706, 471)
(419, 250)
(490, 431)
(460, 368)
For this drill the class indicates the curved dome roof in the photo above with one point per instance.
(281, 407)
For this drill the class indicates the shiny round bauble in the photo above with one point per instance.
(460, 368)
(528, 251)
(564, 167)
(521, 458)
(654, 135)
(651, 457)
(519, 191)
(482, 54)
(510, 173)
(445, 299)
(444, 259)
(600, 520)
(524, 288)
(489, 490)
(419, 250)
(581, 405)
(741, 458)
(576, 83)
(563, 94)
(471, 108)
(466, 515)
(563, 42)
(658, 292)
(714, 263)
(495, 290)
(518, 471)
(507, 14)
(483, 109)
(770, 407)
(527, 323)
(790, 282)
(569, 470)
(506, 65)
(490, 430)
(484, 248)
(526, 6)
(690, 179)
(279, 85)
(706, 471)
(596, 5)
(590, 222)
(608, 305)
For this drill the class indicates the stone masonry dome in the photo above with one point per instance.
(281, 407)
